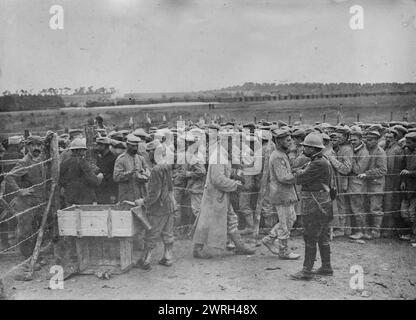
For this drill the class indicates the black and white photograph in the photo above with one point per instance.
(207, 150)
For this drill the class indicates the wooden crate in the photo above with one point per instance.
(96, 221)
(104, 236)
(98, 253)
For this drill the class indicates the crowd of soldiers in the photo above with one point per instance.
(356, 181)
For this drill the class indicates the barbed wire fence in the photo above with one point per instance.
(51, 168)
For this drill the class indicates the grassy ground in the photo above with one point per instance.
(369, 109)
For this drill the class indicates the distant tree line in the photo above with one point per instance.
(62, 91)
(30, 102)
(315, 88)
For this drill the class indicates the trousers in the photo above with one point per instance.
(287, 217)
(162, 226)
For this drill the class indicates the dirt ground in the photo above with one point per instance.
(389, 273)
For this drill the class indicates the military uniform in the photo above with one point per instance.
(78, 180)
(315, 180)
(391, 203)
(283, 196)
(195, 174)
(107, 191)
(159, 204)
(22, 177)
(130, 187)
(408, 205)
(342, 164)
(357, 186)
(377, 168)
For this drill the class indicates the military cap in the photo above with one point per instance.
(411, 136)
(102, 140)
(281, 123)
(325, 136)
(392, 130)
(229, 123)
(132, 139)
(249, 125)
(309, 130)
(75, 131)
(214, 126)
(64, 136)
(15, 140)
(333, 135)
(342, 129)
(265, 128)
(319, 129)
(412, 130)
(356, 131)
(124, 132)
(116, 136)
(400, 128)
(298, 132)
(266, 123)
(140, 133)
(279, 133)
(375, 127)
(118, 144)
(373, 133)
(153, 145)
(33, 139)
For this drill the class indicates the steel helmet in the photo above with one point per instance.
(78, 143)
(314, 140)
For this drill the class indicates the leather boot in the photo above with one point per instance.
(269, 242)
(325, 269)
(200, 253)
(306, 272)
(249, 229)
(285, 253)
(144, 262)
(230, 245)
(377, 220)
(240, 246)
(167, 259)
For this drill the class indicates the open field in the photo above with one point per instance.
(388, 266)
(370, 109)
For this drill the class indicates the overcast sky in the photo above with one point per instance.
(184, 45)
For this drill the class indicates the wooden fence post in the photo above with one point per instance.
(54, 175)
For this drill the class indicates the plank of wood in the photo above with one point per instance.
(109, 224)
(126, 253)
(83, 253)
(78, 223)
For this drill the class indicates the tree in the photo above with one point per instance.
(6, 93)
(90, 90)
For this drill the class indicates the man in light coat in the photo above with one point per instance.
(131, 172)
(217, 218)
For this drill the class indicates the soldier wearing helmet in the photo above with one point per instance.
(315, 180)
(77, 178)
